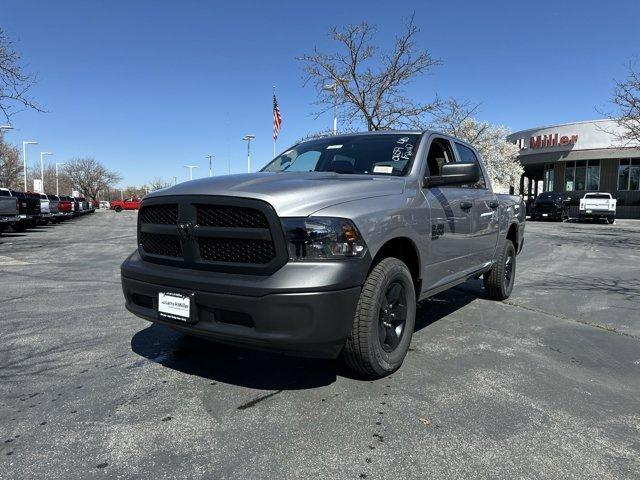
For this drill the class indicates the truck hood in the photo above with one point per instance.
(291, 194)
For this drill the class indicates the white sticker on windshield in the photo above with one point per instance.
(330, 147)
(382, 169)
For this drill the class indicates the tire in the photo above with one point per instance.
(611, 221)
(498, 282)
(19, 227)
(381, 332)
(118, 209)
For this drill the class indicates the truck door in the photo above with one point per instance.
(484, 214)
(451, 212)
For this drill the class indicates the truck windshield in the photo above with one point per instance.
(374, 154)
(4, 193)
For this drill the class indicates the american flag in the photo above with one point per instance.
(277, 118)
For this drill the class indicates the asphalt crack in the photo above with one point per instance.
(599, 326)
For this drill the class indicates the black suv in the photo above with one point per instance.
(551, 205)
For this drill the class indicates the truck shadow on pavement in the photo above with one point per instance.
(264, 370)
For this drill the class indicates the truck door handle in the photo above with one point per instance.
(466, 205)
(494, 204)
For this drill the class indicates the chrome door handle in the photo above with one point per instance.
(466, 205)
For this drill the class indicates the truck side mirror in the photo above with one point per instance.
(454, 174)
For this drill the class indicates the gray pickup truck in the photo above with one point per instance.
(327, 249)
(9, 209)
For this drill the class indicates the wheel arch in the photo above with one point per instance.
(402, 248)
(512, 234)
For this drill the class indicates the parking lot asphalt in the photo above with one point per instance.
(544, 385)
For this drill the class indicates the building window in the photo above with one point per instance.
(593, 175)
(629, 174)
(582, 175)
(569, 176)
(549, 177)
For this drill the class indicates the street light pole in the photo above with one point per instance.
(333, 87)
(190, 167)
(24, 159)
(248, 139)
(42, 154)
(57, 185)
(210, 157)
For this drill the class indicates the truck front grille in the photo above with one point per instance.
(236, 250)
(160, 214)
(234, 217)
(225, 234)
(159, 244)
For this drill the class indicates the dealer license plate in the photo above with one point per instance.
(174, 305)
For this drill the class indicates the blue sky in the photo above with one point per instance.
(148, 86)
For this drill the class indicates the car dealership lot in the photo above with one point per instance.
(544, 385)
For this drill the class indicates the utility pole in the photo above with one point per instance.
(24, 159)
(333, 87)
(42, 154)
(210, 157)
(248, 139)
(57, 185)
(190, 167)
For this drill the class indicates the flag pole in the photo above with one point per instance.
(274, 136)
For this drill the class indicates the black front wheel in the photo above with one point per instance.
(384, 321)
(498, 282)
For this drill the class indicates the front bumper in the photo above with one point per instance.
(9, 218)
(302, 309)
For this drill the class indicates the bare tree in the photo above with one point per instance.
(65, 184)
(134, 191)
(10, 165)
(626, 100)
(158, 183)
(370, 81)
(14, 82)
(90, 176)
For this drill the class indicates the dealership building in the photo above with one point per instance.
(580, 157)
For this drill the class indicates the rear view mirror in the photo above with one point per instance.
(454, 174)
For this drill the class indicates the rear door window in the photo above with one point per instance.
(466, 155)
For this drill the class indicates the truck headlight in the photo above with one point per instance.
(322, 238)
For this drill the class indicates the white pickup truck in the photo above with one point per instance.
(596, 206)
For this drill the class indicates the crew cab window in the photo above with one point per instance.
(439, 153)
(466, 155)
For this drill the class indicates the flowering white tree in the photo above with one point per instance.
(457, 119)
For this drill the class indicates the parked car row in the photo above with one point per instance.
(555, 206)
(22, 210)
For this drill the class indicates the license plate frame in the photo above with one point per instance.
(176, 306)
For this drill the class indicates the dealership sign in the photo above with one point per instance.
(547, 141)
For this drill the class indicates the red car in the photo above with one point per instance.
(126, 204)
